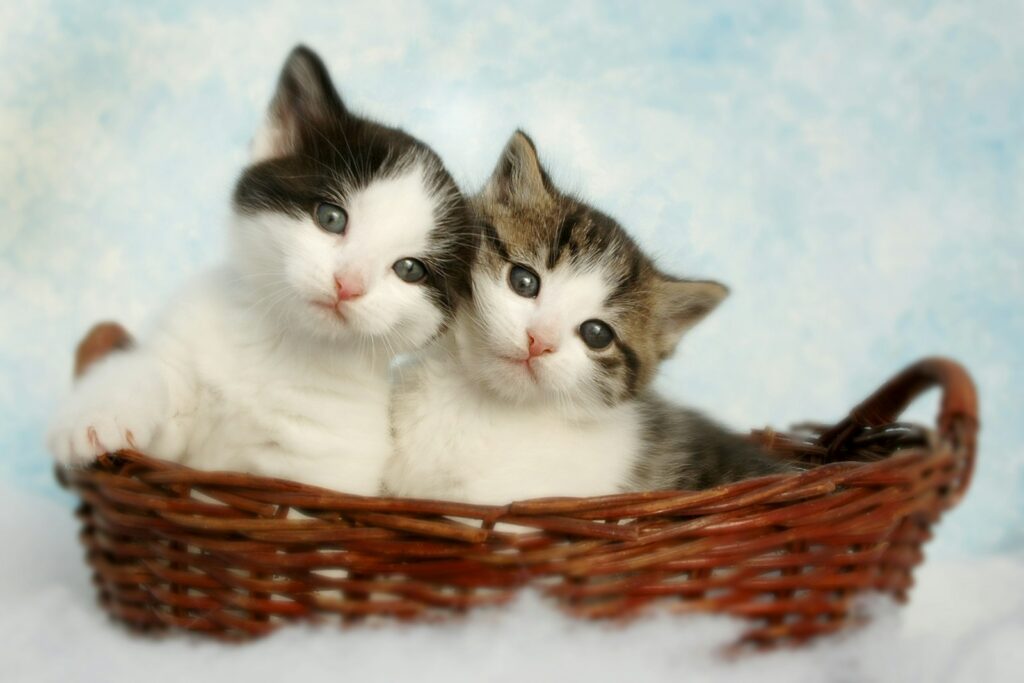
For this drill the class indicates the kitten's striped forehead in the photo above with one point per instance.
(566, 234)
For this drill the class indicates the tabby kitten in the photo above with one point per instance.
(346, 248)
(541, 386)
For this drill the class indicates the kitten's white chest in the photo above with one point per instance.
(259, 406)
(450, 443)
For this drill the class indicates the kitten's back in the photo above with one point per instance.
(686, 450)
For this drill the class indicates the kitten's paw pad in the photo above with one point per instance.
(80, 439)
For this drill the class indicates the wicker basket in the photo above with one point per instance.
(237, 556)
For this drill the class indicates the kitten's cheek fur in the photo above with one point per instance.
(408, 318)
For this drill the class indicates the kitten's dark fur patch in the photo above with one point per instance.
(325, 152)
(714, 455)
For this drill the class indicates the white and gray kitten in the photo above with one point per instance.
(345, 247)
(541, 385)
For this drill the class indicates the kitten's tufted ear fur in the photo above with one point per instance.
(304, 97)
(519, 177)
(681, 304)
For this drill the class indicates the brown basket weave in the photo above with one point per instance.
(237, 556)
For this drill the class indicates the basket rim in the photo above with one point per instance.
(168, 472)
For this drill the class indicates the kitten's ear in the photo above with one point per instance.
(681, 305)
(304, 97)
(519, 174)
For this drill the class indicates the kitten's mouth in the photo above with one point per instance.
(523, 363)
(331, 307)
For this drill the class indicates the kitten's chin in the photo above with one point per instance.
(520, 376)
(364, 328)
(503, 376)
(514, 385)
(324, 328)
(518, 382)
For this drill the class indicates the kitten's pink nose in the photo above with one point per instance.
(538, 345)
(348, 288)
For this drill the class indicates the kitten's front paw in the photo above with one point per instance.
(81, 434)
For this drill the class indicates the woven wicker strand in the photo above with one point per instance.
(236, 556)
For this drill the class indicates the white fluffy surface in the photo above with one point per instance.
(965, 623)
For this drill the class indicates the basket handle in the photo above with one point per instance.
(958, 413)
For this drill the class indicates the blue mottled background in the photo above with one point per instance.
(854, 173)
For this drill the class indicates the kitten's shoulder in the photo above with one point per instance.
(198, 312)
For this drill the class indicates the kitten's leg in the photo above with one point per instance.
(119, 403)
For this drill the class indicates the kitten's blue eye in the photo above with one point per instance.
(524, 281)
(331, 217)
(596, 334)
(409, 269)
